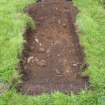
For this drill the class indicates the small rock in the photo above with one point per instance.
(58, 55)
(36, 40)
(30, 59)
(67, 71)
(57, 42)
(64, 25)
(59, 21)
(41, 63)
(41, 49)
(75, 64)
(57, 71)
(56, 8)
(40, 44)
(48, 51)
(65, 60)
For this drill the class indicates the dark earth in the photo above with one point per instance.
(52, 58)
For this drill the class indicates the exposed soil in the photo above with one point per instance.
(52, 58)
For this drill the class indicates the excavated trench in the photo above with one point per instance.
(52, 58)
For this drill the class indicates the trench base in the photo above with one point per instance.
(52, 57)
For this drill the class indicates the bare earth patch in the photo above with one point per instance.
(52, 57)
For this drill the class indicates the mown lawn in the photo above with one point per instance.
(91, 21)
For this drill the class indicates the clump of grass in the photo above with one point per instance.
(13, 21)
(92, 22)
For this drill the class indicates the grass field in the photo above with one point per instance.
(91, 21)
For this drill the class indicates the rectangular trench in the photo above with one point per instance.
(52, 57)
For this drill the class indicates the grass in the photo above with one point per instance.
(91, 21)
(12, 22)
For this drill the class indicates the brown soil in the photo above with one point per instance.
(52, 57)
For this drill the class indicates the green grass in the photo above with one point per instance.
(12, 22)
(91, 21)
